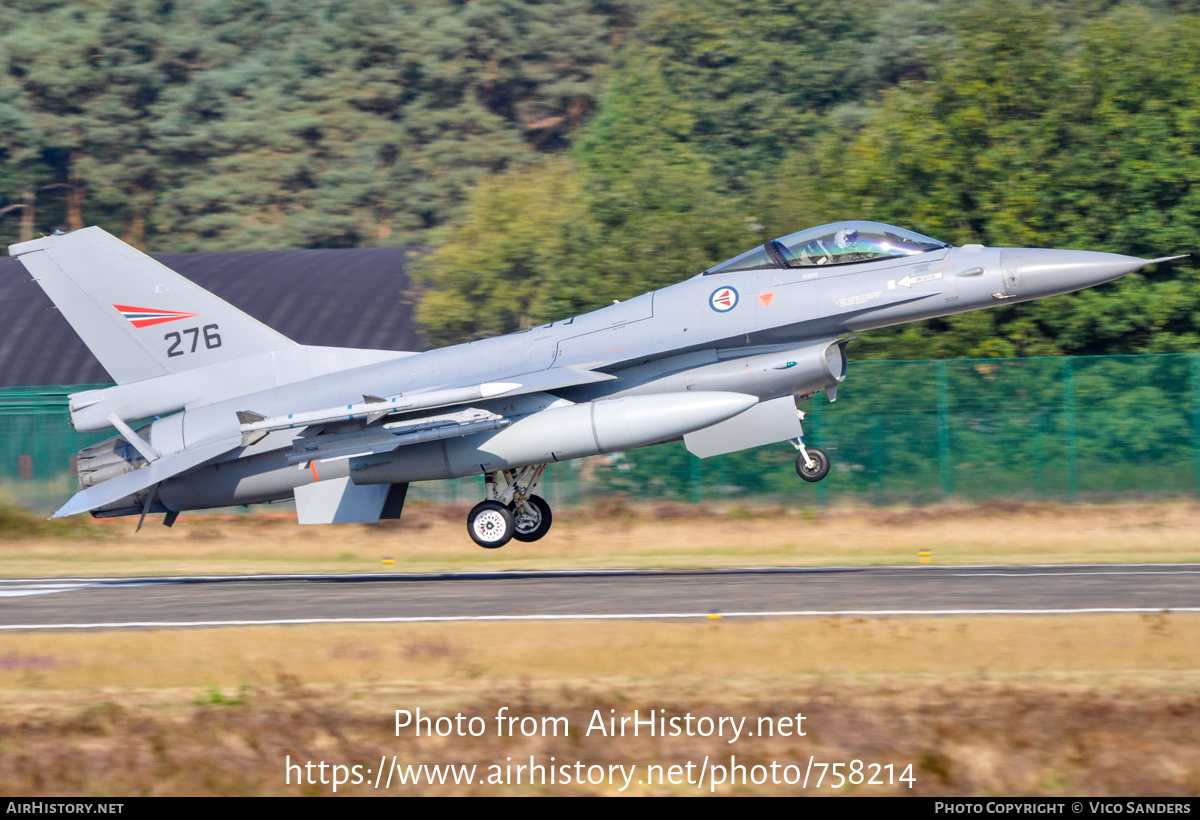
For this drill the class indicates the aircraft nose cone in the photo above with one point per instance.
(1033, 273)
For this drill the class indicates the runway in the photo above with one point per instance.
(83, 603)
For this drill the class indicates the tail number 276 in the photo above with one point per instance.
(179, 345)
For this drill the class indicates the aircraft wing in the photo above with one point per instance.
(388, 437)
(539, 381)
(158, 470)
(372, 439)
(255, 425)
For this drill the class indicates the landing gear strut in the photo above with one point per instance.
(812, 464)
(514, 512)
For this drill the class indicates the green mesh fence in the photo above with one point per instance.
(914, 432)
(38, 446)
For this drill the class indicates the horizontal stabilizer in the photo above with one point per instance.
(159, 470)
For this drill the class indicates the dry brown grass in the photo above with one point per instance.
(434, 538)
(1098, 705)
(960, 738)
(741, 651)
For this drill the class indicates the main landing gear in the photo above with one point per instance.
(514, 512)
(812, 464)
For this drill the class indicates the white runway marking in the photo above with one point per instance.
(807, 613)
(39, 589)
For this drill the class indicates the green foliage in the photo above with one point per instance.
(609, 147)
(755, 77)
(17, 523)
(630, 210)
(263, 123)
(998, 121)
(1033, 138)
(215, 697)
(1029, 428)
(516, 261)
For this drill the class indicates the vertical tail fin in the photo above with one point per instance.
(139, 318)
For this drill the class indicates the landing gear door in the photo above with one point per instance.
(765, 423)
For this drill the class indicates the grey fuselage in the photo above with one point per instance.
(691, 335)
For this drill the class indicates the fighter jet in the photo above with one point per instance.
(242, 415)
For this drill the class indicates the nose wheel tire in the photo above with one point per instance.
(491, 524)
(533, 522)
(819, 469)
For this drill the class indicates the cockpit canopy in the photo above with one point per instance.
(841, 243)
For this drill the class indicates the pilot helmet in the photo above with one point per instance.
(845, 237)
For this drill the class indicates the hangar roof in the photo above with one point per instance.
(357, 297)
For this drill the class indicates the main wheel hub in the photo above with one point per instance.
(490, 526)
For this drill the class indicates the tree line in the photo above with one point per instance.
(246, 124)
(999, 121)
(561, 155)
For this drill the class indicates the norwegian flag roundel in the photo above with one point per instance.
(723, 299)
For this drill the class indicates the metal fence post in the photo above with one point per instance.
(1195, 380)
(877, 459)
(943, 405)
(1039, 456)
(815, 416)
(697, 478)
(1068, 377)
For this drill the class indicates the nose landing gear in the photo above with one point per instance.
(812, 464)
(815, 468)
(514, 512)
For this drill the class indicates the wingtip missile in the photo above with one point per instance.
(249, 417)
